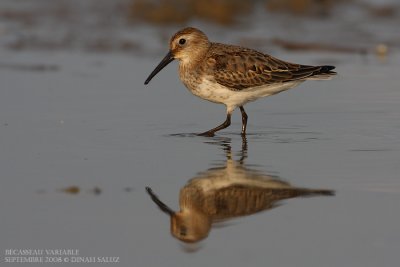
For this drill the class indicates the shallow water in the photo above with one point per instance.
(86, 120)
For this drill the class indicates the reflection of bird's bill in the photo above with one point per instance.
(159, 203)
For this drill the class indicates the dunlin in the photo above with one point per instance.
(232, 75)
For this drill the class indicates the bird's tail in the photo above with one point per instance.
(323, 73)
(318, 192)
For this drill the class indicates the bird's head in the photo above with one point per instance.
(188, 46)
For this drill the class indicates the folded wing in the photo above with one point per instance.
(242, 68)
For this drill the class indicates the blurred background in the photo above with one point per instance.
(143, 27)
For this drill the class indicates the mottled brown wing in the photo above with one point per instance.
(240, 200)
(247, 68)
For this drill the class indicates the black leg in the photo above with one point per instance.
(244, 120)
(225, 124)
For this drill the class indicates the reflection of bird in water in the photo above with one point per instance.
(224, 193)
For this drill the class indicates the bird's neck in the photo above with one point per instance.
(193, 61)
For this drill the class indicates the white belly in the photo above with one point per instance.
(217, 93)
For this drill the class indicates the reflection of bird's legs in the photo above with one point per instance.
(243, 152)
(244, 120)
(228, 150)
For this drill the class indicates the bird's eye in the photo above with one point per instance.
(182, 41)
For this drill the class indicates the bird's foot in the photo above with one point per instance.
(207, 134)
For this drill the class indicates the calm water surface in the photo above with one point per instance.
(86, 120)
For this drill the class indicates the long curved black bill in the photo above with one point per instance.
(164, 62)
(159, 203)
